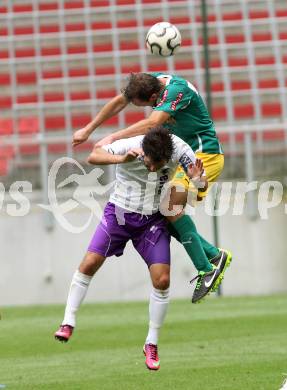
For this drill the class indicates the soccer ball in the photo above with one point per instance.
(163, 39)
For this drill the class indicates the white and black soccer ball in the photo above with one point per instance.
(163, 39)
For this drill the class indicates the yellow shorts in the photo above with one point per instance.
(213, 165)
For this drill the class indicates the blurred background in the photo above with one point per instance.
(61, 61)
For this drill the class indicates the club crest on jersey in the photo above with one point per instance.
(175, 102)
(153, 229)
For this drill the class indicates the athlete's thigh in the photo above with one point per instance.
(91, 263)
(213, 164)
(110, 237)
(153, 242)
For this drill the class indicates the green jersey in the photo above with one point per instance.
(189, 118)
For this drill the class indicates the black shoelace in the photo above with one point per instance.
(153, 351)
(198, 284)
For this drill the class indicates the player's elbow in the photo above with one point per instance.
(95, 156)
(92, 158)
(152, 123)
(157, 118)
(89, 159)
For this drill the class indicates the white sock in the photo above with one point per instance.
(158, 304)
(78, 290)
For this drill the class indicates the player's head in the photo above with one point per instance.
(142, 89)
(158, 147)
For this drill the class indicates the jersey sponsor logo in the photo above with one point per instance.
(163, 99)
(185, 161)
(163, 179)
(175, 102)
(180, 175)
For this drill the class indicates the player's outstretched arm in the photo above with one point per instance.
(100, 156)
(156, 118)
(113, 107)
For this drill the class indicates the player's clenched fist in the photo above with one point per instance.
(80, 136)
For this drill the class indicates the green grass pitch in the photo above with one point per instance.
(225, 343)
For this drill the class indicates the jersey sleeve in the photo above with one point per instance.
(122, 146)
(174, 98)
(183, 154)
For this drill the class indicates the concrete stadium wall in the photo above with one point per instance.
(36, 265)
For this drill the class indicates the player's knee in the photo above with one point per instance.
(91, 263)
(162, 283)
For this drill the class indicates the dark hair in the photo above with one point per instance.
(157, 144)
(141, 86)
